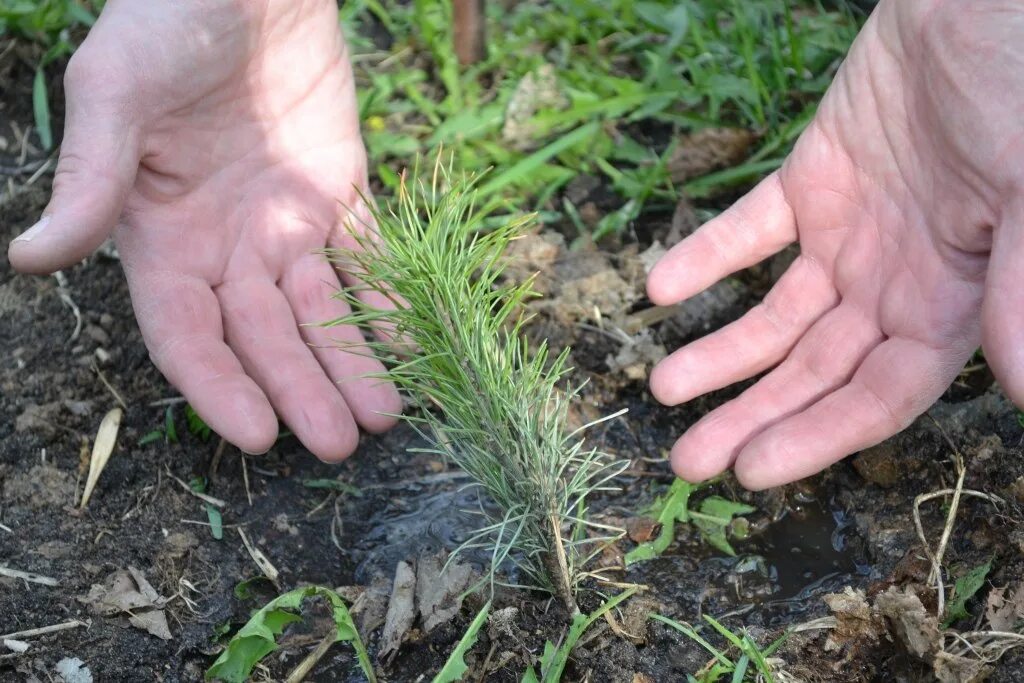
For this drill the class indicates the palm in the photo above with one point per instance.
(883, 306)
(246, 152)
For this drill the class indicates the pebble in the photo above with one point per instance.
(97, 334)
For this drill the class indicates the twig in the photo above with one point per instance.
(300, 672)
(6, 528)
(172, 401)
(206, 498)
(261, 560)
(245, 478)
(109, 386)
(28, 576)
(65, 296)
(43, 630)
(932, 556)
(215, 462)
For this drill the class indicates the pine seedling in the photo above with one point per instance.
(487, 401)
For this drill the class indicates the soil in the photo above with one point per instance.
(848, 527)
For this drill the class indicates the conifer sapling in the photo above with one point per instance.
(487, 401)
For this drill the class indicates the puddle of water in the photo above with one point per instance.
(803, 549)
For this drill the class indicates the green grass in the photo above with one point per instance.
(739, 660)
(49, 23)
(628, 78)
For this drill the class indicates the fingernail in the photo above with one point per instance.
(34, 231)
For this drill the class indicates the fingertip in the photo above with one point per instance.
(249, 422)
(330, 433)
(384, 405)
(660, 384)
(660, 288)
(692, 462)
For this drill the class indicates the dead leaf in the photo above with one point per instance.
(911, 622)
(401, 610)
(128, 592)
(855, 620)
(1002, 611)
(709, 149)
(636, 357)
(537, 90)
(369, 603)
(439, 590)
(640, 529)
(950, 668)
(102, 448)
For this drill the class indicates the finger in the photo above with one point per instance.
(99, 158)
(181, 324)
(824, 359)
(754, 228)
(1002, 311)
(260, 328)
(308, 285)
(898, 381)
(752, 344)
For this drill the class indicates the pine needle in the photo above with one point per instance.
(487, 401)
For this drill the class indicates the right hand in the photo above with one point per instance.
(906, 194)
(219, 141)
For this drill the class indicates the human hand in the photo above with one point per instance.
(905, 194)
(221, 138)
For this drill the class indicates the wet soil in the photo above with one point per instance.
(849, 527)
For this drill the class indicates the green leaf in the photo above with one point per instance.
(554, 660)
(714, 519)
(216, 522)
(41, 109)
(334, 485)
(243, 589)
(170, 431)
(257, 638)
(455, 667)
(667, 510)
(196, 425)
(963, 590)
(152, 436)
(530, 676)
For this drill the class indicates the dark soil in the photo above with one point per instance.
(850, 526)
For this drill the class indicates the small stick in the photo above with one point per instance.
(6, 528)
(245, 478)
(300, 672)
(109, 386)
(215, 462)
(261, 560)
(65, 296)
(469, 34)
(201, 496)
(28, 576)
(172, 401)
(43, 630)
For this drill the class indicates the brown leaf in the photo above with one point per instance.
(438, 590)
(401, 610)
(709, 149)
(128, 592)
(911, 622)
(854, 620)
(640, 529)
(950, 668)
(1004, 611)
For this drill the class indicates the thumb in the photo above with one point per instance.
(1002, 312)
(99, 158)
